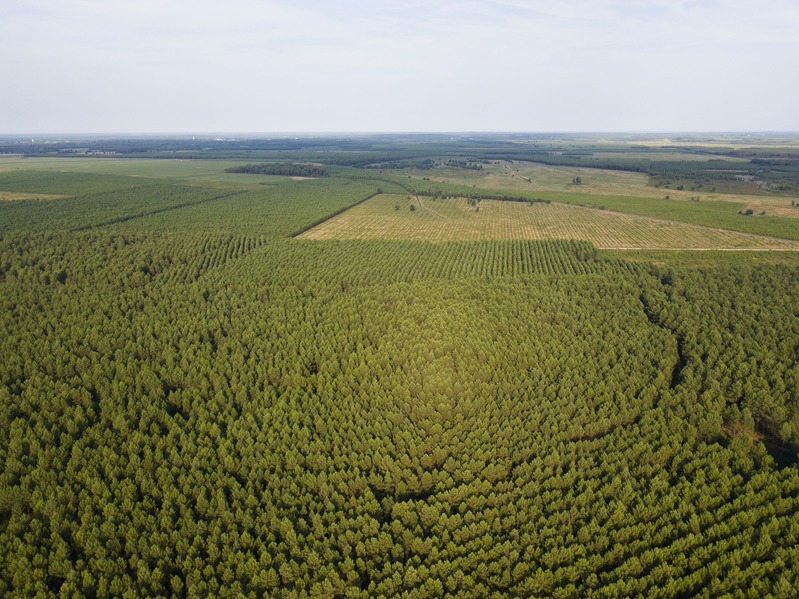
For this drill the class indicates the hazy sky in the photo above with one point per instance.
(143, 66)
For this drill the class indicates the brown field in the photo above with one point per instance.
(12, 196)
(454, 219)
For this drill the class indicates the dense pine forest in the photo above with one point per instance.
(195, 403)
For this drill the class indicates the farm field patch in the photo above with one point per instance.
(389, 216)
(13, 196)
(191, 170)
(533, 177)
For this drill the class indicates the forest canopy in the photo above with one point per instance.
(286, 169)
(195, 403)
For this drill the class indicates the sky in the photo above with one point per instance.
(305, 66)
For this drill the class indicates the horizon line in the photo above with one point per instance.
(330, 133)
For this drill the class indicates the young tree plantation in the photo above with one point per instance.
(197, 399)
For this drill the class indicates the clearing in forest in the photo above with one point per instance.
(390, 216)
(13, 196)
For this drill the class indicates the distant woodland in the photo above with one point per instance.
(286, 169)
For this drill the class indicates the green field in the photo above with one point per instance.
(198, 170)
(220, 384)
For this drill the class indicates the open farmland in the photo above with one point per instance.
(205, 171)
(544, 179)
(455, 219)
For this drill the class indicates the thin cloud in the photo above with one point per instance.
(397, 65)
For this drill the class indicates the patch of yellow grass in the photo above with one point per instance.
(13, 196)
(772, 206)
(454, 219)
